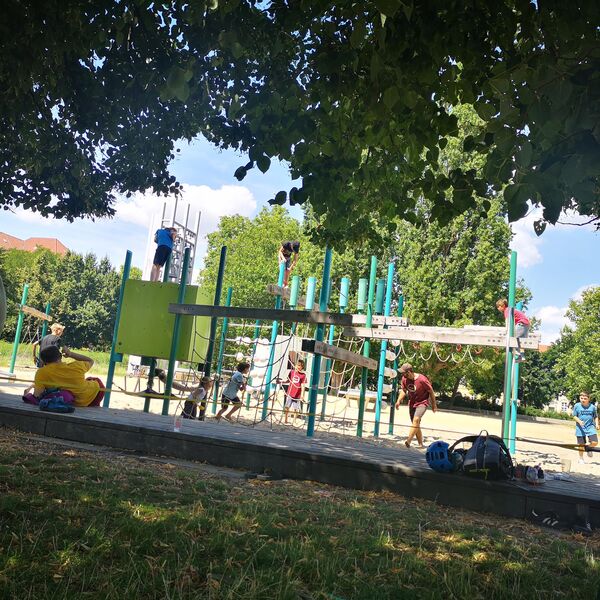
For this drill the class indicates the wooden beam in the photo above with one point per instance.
(34, 312)
(381, 320)
(263, 314)
(336, 353)
(442, 335)
(284, 292)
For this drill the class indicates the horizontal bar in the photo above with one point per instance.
(263, 314)
(336, 353)
(35, 313)
(380, 320)
(442, 335)
(284, 292)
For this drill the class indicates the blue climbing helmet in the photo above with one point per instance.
(437, 457)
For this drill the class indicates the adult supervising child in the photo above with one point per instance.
(295, 392)
(521, 325)
(420, 397)
(586, 418)
(164, 239)
(230, 397)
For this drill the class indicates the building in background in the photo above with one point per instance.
(10, 242)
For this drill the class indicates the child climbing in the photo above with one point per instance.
(197, 395)
(521, 325)
(164, 239)
(295, 392)
(230, 393)
(286, 250)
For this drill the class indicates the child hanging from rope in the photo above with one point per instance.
(230, 393)
(521, 325)
(285, 256)
(295, 391)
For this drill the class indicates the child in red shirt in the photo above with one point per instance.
(521, 325)
(295, 392)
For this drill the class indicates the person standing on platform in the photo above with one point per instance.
(164, 239)
(420, 397)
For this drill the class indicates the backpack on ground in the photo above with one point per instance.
(59, 401)
(487, 458)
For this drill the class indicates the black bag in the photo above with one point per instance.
(487, 458)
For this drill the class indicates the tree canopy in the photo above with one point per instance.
(358, 97)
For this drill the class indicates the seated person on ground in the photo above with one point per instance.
(56, 374)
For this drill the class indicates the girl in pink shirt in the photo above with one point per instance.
(521, 325)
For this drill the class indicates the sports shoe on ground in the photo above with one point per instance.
(548, 519)
(582, 461)
(590, 454)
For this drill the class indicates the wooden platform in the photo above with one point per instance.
(326, 459)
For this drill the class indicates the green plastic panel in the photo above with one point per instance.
(146, 326)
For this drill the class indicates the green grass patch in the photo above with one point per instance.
(78, 524)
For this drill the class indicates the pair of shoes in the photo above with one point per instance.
(548, 519)
(582, 461)
(590, 454)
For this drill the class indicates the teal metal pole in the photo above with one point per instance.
(344, 287)
(367, 346)
(269, 374)
(383, 351)
(176, 332)
(13, 358)
(224, 328)
(315, 372)
(45, 323)
(508, 362)
(394, 395)
(254, 345)
(513, 405)
(294, 291)
(152, 365)
(362, 295)
(213, 321)
(116, 357)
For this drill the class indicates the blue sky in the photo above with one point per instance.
(556, 266)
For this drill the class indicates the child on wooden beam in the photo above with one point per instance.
(521, 325)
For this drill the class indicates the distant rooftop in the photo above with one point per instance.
(10, 242)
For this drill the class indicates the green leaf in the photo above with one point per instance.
(469, 143)
(387, 7)
(539, 227)
(485, 111)
(240, 173)
(280, 198)
(524, 155)
(263, 163)
(391, 97)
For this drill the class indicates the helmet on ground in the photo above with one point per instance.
(437, 457)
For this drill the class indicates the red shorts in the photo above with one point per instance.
(100, 395)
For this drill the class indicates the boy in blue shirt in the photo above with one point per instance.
(586, 419)
(230, 393)
(164, 239)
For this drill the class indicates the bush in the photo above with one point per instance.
(538, 412)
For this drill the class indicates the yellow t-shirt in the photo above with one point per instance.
(69, 376)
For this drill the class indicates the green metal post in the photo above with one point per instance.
(213, 322)
(255, 344)
(367, 346)
(315, 372)
(394, 395)
(513, 405)
(269, 373)
(152, 365)
(310, 292)
(176, 332)
(362, 295)
(379, 296)
(45, 323)
(13, 358)
(224, 328)
(116, 357)
(382, 353)
(512, 287)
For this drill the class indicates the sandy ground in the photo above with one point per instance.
(341, 420)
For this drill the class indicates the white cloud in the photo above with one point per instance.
(553, 319)
(36, 218)
(579, 293)
(526, 242)
(211, 203)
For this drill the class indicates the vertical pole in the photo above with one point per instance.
(508, 362)
(13, 358)
(213, 321)
(152, 365)
(176, 332)
(315, 372)
(382, 353)
(395, 382)
(269, 373)
(45, 323)
(362, 295)
(367, 346)
(255, 344)
(310, 292)
(114, 356)
(379, 296)
(224, 328)
(513, 405)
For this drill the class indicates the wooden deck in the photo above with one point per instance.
(328, 459)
